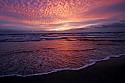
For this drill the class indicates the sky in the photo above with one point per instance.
(58, 15)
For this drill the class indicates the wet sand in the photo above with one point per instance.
(108, 71)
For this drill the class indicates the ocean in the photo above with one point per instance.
(29, 54)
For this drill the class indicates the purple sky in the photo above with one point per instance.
(58, 15)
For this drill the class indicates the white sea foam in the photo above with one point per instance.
(40, 37)
(17, 54)
(62, 69)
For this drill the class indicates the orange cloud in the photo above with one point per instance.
(47, 12)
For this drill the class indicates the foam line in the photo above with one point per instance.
(56, 70)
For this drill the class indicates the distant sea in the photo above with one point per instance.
(31, 54)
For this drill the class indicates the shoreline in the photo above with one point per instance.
(67, 69)
(110, 70)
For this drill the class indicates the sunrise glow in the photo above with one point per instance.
(58, 14)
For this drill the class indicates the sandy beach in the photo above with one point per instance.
(108, 71)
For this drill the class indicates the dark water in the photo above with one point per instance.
(36, 53)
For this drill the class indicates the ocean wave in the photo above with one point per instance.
(56, 52)
(93, 61)
(62, 36)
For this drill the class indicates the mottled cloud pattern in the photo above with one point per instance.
(58, 14)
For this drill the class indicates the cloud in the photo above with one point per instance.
(45, 11)
(59, 14)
